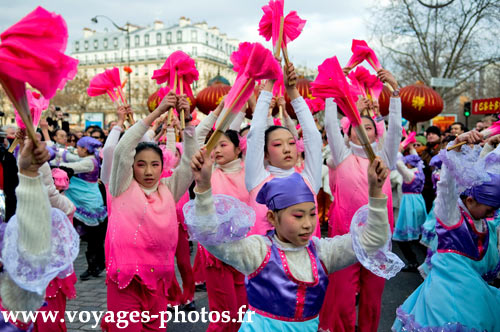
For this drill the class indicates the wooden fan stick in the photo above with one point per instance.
(277, 47)
(225, 120)
(23, 111)
(456, 146)
(365, 142)
(183, 121)
(171, 109)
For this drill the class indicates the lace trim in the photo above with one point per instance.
(410, 325)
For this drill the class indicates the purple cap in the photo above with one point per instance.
(487, 193)
(90, 143)
(280, 193)
(436, 162)
(412, 159)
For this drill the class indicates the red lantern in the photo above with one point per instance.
(208, 98)
(420, 103)
(383, 100)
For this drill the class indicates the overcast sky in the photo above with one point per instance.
(331, 24)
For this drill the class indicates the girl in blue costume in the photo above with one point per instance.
(412, 211)
(287, 270)
(90, 211)
(455, 296)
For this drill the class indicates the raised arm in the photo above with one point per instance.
(108, 151)
(238, 120)
(84, 165)
(207, 124)
(339, 151)
(56, 199)
(255, 172)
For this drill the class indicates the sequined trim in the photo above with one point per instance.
(262, 265)
(286, 319)
(289, 273)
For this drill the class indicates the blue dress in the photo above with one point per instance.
(279, 302)
(412, 210)
(456, 296)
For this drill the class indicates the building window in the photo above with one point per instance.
(146, 54)
(115, 42)
(77, 46)
(159, 53)
(194, 36)
(206, 38)
(158, 38)
(96, 59)
(105, 57)
(86, 59)
(195, 51)
(127, 41)
(146, 40)
(96, 44)
(136, 55)
(169, 37)
(105, 43)
(116, 56)
(179, 36)
(86, 44)
(213, 40)
(137, 40)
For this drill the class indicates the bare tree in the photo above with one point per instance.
(447, 38)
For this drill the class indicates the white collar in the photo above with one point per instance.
(477, 223)
(285, 246)
(358, 149)
(230, 167)
(149, 191)
(280, 172)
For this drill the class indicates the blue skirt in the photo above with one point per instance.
(412, 215)
(87, 198)
(429, 238)
(253, 322)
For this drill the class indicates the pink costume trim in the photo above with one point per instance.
(262, 265)
(289, 273)
(19, 324)
(286, 319)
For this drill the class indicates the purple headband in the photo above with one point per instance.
(412, 159)
(487, 193)
(280, 193)
(89, 143)
(436, 162)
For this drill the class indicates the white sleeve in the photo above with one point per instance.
(245, 255)
(84, 165)
(56, 199)
(238, 120)
(170, 139)
(107, 153)
(291, 126)
(270, 120)
(182, 177)
(486, 149)
(204, 127)
(337, 252)
(312, 143)
(445, 207)
(407, 173)
(394, 134)
(255, 172)
(338, 149)
(123, 159)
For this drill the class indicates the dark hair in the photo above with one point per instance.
(243, 129)
(462, 126)
(92, 127)
(234, 138)
(269, 131)
(366, 117)
(149, 146)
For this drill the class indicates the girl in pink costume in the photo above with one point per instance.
(142, 231)
(276, 146)
(348, 179)
(225, 285)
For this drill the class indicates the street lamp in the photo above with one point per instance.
(127, 30)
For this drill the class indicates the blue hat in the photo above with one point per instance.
(280, 193)
(487, 193)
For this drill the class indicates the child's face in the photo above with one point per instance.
(281, 149)
(478, 210)
(295, 224)
(82, 152)
(147, 168)
(225, 151)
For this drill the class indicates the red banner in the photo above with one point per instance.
(486, 106)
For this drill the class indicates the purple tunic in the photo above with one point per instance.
(91, 176)
(274, 292)
(416, 186)
(463, 239)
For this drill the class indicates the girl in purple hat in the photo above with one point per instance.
(286, 271)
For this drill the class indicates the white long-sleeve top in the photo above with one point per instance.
(247, 254)
(237, 121)
(339, 151)
(204, 127)
(56, 199)
(84, 165)
(123, 160)
(255, 172)
(107, 153)
(408, 174)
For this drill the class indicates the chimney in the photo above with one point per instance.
(87, 32)
(158, 25)
(183, 21)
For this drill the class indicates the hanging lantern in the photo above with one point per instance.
(209, 98)
(154, 101)
(420, 103)
(383, 100)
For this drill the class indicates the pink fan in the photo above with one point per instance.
(279, 86)
(410, 139)
(315, 104)
(32, 51)
(260, 65)
(361, 52)
(104, 83)
(331, 82)
(239, 58)
(282, 30)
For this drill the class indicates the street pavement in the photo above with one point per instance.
(91, 296)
